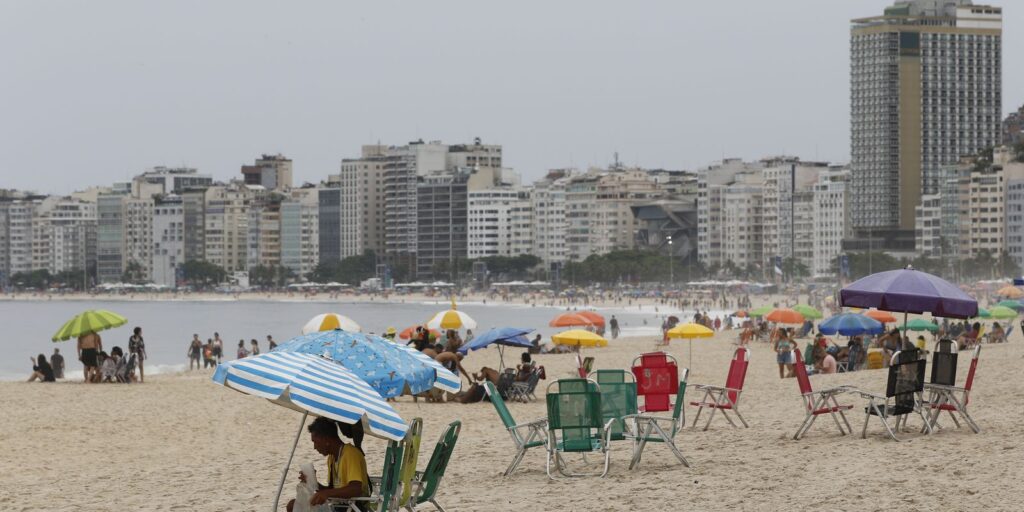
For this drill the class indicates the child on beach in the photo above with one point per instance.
(242, 352)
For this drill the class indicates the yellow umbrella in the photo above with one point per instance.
(689, 332)
(579, 338)
(452, 319)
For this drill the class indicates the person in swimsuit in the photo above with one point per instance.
(195, 348)
(255, 347)
(89, 346)
(783, 354)
(346, 464)
(453, 362)
(57, 362)
(137, 346)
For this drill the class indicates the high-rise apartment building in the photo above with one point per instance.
(16, 214)
(550, 224)
(442, 222)
(500, 222)
(598, 210)
(273, 172)
(712, 184)
(168, 240)
(925, 89)
(300, 231)
(64, 235)
(362, 212)
(226, 224)
(167, 180)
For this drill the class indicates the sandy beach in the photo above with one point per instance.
(179, 442)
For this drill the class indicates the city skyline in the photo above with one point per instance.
(573, 88)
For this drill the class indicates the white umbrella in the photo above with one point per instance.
(330, 322)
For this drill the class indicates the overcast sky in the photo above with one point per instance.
(95, 92)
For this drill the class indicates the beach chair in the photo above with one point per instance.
(875, 359)
(945, 396)
(410, 456)
(657, 380)
(575, 424)
(586, 364)
(524, 391)
(426, 482)
(505, 381)
(384, 495)
(725, 398)
(903, 394)
(618, 400)
(821, 402)
(524, 435)
(125, 368)
(650, 428)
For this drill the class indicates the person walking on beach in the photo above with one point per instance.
(57, 363)
(784, 354)
(89, 347)
(137, 346)
(218, 349)
(242, 352)
(195, 348)
(255, 347)
(271, 344)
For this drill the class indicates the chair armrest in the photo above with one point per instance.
(606, 434)
(535, 423)
(940, 387)
(836, 390)
(706, 387)
(869, 395)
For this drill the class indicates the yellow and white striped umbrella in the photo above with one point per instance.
(330, 322)
(452, 319)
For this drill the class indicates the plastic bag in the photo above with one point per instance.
(304, 492)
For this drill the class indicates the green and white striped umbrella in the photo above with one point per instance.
(94, 320)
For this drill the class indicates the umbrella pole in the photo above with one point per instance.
(284, 473)
(691, 351)
(501, 358)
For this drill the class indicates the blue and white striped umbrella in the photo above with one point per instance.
(308, 383)
(389, 368)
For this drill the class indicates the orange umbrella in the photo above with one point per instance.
(594, 318)
(1010, 292)
(785, 316)
(571, 320)
(741, 314)
(407, 333)
(881, 316)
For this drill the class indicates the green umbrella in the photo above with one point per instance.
(1012, 304)
(920, 324)
(761, 311)
(94, 320)
(1001, 313)
(808, 312)
(983, 313)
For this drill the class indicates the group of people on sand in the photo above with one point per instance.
(212, 352)
(97, 364)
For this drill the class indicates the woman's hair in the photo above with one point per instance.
(41, 360)
(353, 431)
(137, 331)
(116, 351)
(526, 357)
(241, 343)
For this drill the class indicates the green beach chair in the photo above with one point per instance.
(384, 496)
(650, 428)
(618, 400)
(427, 482)
(410, 455)
(575, 424)
(525, 435)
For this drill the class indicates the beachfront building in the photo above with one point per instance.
(1013, 128)
(788, 208)
(16, 213)
(402, 168)
(928, 226)
(742, 226)
(712, 184)
(361, 204)
(168, 180)
(925, 80)
(499, 222)
(168, 240)
(63, 235)
(831, 218)
(263, 245)
(193, 205)
(550, 225)
(124, 238)
(272, 172)
(329, 221)
(1015, 216)
(598, 210)
(442, 223)
(226, 224)
(299, 237)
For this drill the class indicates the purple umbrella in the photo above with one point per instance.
(909, 291)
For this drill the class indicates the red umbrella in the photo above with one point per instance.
(571, 320)
(408, 332)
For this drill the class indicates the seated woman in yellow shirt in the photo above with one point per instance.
(346, 465)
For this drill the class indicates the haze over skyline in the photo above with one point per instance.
(97, 92)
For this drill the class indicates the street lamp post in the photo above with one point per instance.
(671, 269)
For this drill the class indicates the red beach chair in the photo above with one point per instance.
(725, 398)
(953, 399)
(657, 380)
(819, 402)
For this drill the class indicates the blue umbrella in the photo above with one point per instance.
(851, 324)
(389, 368)
(501, 336)
(312, 385)
(909, 291)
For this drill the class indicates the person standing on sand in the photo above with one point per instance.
(271, 344)
(242, 353)
(255, 347)
(784, 350)
(218, 350)
(57, 363)
(195, 348)
(137, 346)
(89, 346)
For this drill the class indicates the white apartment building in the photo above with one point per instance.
(499, 222)
(831, 218)
(226, 224)
(299, 231)
(16, 237)
(928, 226)
(598, 210)
(168, 240)
(741, 228)
(712, 184)
(1014, 229)
(63, 235)
(550, 224)
(781, 202)
(168, 180)
(362, 210)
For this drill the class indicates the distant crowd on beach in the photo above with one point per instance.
(212, 352)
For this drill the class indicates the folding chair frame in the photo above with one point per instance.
(939, 396)
(820, 402)
(880, 405)
(648, 426)
(717, 397)
(555, 455)
(523, 434)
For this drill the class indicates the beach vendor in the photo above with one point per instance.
(346, 464)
